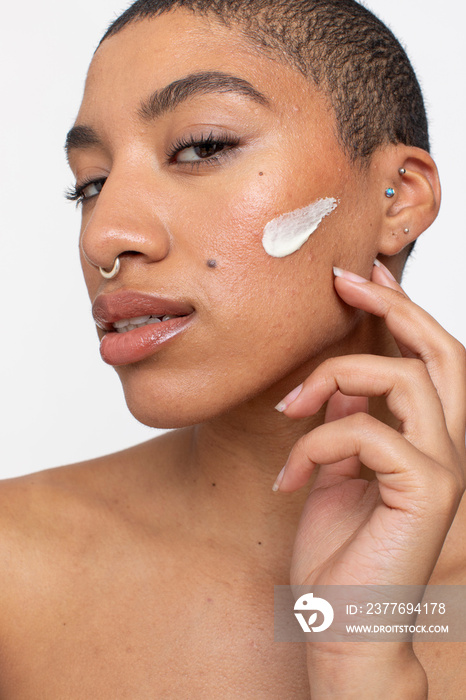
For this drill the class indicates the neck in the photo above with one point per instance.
(233, 461)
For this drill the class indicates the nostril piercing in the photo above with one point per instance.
(108, 275)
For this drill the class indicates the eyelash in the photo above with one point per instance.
(76, 193)
(203, 141)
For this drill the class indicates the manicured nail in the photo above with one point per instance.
(278, 480)
(385, 269)
(338, 272)
(289, 398)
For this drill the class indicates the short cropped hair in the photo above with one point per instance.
(341, 46)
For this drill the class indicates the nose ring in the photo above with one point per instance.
(108, 275)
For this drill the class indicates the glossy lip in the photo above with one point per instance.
(108, 308)
(140, 343)
(134, 346)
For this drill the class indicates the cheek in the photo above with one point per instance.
(248, 285)
(287, 233)
(228, 213)
(260, 319)
(285, 310)
(297, 313)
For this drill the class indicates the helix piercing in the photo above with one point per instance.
(402, 171)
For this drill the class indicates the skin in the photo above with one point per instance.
(199, 500)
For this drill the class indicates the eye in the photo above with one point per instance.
(92, 189)
(202, 150)
(85, 191)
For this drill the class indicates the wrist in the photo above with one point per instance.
(354, 671)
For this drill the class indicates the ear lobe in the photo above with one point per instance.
(416, 201)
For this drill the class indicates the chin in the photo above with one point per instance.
(163, 419)
(169, 406)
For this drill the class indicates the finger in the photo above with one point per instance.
(382, 275)
(408, 480)
(404, 382)
(415, 330)
(339, 406)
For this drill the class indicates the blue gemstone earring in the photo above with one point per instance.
(390, 192)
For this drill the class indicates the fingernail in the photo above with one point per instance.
(385, 269)
(338, 272)
(278, 480)
(289, 398)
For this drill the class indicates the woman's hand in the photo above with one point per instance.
(389, 530)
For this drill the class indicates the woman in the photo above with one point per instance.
(240, 170)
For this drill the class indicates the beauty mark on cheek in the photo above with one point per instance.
(288, 232)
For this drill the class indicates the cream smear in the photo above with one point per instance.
(288, 232)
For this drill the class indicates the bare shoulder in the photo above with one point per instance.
(66, 531)
(51, 514)
(85, 482)
(43, 496)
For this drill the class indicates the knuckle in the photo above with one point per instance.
(362, 422)
(449, 488)
(461, 480)
(327, 368)
(417, 370)
(461, 474)
(397, 302)
(458, 354)
(303, 446)
(452, 353)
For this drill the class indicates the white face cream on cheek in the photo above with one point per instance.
(288, 232)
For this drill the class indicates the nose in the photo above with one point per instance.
(126, 223)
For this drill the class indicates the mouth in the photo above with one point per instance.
(130, 324)
(135, 325)
(128, 310)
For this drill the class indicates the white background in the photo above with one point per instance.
(60, 402)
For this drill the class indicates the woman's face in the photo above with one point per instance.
(187, 221)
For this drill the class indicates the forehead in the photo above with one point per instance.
(149, 54)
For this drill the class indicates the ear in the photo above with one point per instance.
(415, 204)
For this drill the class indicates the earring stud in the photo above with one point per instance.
(402, 171)
(389, 192)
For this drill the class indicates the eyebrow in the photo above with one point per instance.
(81, 137)
(169, 97)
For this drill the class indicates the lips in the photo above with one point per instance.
(139, 343)
(107, 309)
